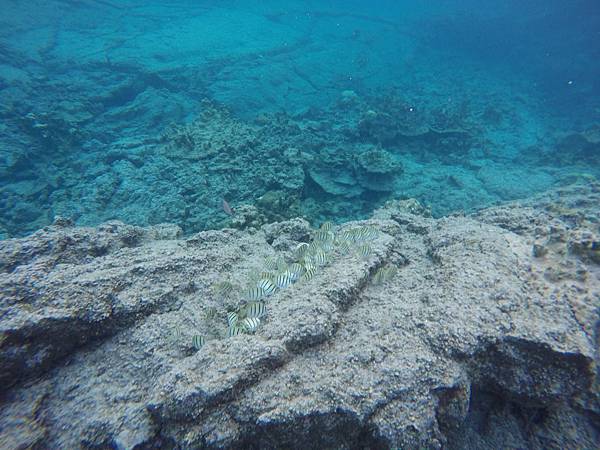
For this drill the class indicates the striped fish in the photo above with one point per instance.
(198, 341)
(281, 264)
(320, 257)
(384, 274)
(364, 250)
(210, 312)
(307, 261)
(296, 270)
(365, 233)
(323, 236)
(313, 247)
(327, 246)
(177, 334)
(223, 289)
(255, 310)
(301, 250)
(354, 234)
(379, 276)
(271, 263)
(344, 246)
(232, 318)
(284, 279)
(371, 232)
(267, 286)
(235, 330)
(391, 272)
(326, 226)
(309, 272)
(345, 236)
(250, 324)
(266, 274)
(254, 293)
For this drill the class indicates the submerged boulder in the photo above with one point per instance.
(377, 169)
(96, 347)
(334, 172)
(336, 181)
(584, 146)
(351, 173)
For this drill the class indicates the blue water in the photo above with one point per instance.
(151, 112)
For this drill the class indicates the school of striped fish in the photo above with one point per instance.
(277, 274)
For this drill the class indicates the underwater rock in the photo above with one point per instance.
(56, 131)
(333, 171)
(74, 306)
(350, 173)
(348, 98)
(586, 244)
(278, 205)
(313, 156)
(377, 170)
(292, 179)
(393, 208)
(247, 217)
(376, 126)
(336, 181)
(96, 336)
(514, 184)
(584, 146)
(292, 231)
(373, 169)
(393, 121)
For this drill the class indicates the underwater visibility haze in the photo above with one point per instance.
(299, 224)
(151, 112)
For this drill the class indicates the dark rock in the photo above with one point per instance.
(539, 250)
(283, 234)
(60, 221)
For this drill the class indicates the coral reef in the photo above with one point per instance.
(393, 121)
(471, 326)
(353, 293)
(103, 126)
(351, 171)
(377, 170)
(349, 157)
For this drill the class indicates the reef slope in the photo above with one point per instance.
(485, 338)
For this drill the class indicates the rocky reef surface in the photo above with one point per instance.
(485, 337)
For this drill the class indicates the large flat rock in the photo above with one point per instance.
(96, 345)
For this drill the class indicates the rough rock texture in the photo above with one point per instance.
(352, 172)
(582, 146)
(487, 336)
(377, 170)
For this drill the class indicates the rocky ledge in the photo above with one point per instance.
(486, 335)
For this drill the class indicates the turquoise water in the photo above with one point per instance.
(151, 112)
